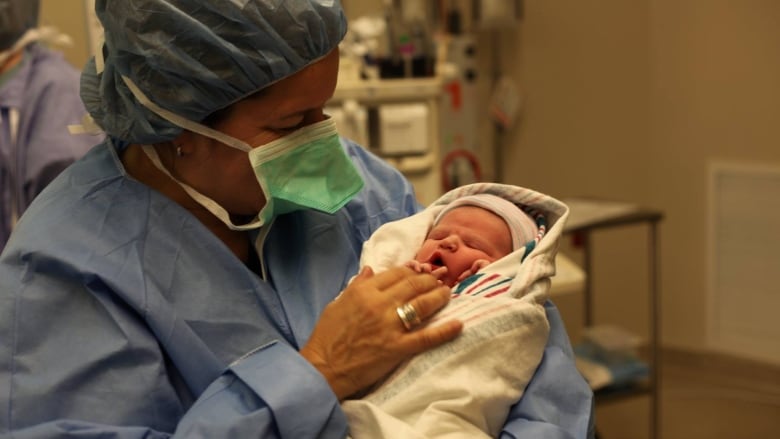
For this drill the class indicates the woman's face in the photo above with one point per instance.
(224, 173)
(464, 235)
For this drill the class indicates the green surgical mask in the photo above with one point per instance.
(307, 169)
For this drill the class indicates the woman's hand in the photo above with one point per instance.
(360, 338)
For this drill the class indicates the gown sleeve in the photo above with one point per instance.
(269, 394)
(240, 403)
(83, 350)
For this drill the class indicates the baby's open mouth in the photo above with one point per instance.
(435, 260)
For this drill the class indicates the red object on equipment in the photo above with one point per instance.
(450, 158)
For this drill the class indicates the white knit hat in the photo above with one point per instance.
(522, 227)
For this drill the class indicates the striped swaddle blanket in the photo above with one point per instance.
(464, 389)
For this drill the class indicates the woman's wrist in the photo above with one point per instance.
(338, 382)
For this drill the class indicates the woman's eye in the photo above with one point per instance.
(290, 124)
(287, 130)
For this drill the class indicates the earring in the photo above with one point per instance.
(178, 151)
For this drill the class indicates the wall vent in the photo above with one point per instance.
(744, 260)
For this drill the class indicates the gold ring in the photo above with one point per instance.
(408, 316)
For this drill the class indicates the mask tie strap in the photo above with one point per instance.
(203, 200)
(181, 121)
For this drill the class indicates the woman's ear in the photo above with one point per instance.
(185, 142)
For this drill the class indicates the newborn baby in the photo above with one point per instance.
(470, 233)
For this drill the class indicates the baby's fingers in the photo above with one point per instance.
(479, 264)
(464, 275)
(414, 265)
(439, 272)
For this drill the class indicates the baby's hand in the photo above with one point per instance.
(475, 267)
(414, 265)
(479, 264)
(425, 267)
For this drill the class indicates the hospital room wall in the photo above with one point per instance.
(69, 16)
(626, 100)
(632, 101)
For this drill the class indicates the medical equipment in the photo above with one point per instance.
(410, 138)
(403, 128)
(406, 45)
(408, 48)
(456, 165)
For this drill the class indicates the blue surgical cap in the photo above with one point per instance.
(194, 57)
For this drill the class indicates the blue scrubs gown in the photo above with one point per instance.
(122, 316)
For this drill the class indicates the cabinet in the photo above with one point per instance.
(586, 216)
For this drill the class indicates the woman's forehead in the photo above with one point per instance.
(310, 88)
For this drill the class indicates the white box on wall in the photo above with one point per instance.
(403, 129)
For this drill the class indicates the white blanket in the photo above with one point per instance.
(465, 388)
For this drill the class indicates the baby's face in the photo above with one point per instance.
(464, 235)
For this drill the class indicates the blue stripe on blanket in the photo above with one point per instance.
(466, 282)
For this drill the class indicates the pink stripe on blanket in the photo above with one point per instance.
(497, 292)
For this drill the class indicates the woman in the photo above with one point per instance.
(179, 280)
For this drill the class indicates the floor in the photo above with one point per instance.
(703, 396)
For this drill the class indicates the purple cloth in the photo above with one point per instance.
(44, 90)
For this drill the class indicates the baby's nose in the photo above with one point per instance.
(449, 243)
